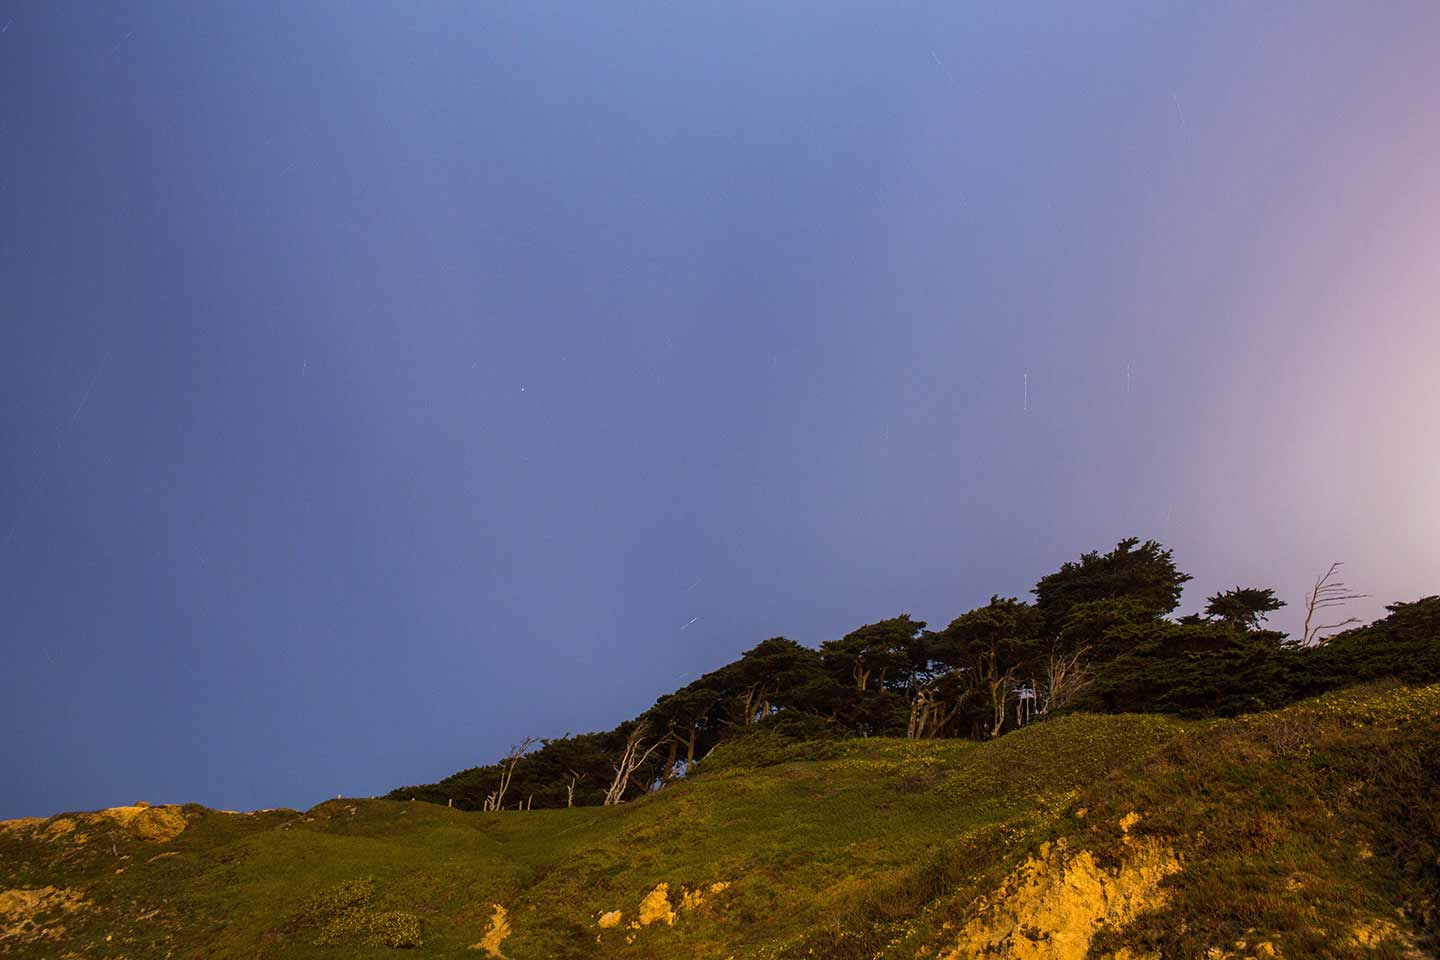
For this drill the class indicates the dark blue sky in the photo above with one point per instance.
(383, 383)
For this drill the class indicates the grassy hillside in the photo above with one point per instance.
(1307, 832)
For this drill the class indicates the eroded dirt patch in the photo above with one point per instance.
(495, 935)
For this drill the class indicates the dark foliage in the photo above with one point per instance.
(1214, 669)
(895, 678)
(1243, 607)
(1142, 572)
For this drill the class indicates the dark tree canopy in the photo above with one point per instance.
(991, 648)
(766, 678)
(1098, 624)
(1244, 607)
(1007, 629)
(1143, 572)
(882, 654)
(1107, 628)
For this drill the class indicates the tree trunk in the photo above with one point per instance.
(630, 761)
(671, 758)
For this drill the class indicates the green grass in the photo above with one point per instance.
(1294, 828)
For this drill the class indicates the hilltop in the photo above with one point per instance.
(1309, 831)
(1099, 638)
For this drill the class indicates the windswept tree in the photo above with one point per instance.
(991, 647)
(1244, 608)
(688, 720)
(637, 752)
(1143, 572)
(765, 679)
(876, 655)
(1105, 629)
(496, 800)
(937, 702)
(577, 768)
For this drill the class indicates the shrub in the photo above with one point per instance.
(344, 915)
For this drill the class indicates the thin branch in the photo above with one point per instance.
(1325, 595)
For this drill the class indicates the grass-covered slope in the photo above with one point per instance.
(1308, 832)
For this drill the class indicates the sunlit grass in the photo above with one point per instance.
(870, 850)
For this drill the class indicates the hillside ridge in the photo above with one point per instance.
(1303, 832)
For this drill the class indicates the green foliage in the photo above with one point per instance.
(987, 649)
(1299, 827)
(883, 652)
(1007, 629)
(1405, 644)
(766, 676)
(1100, 626)
(1201, 670)
(762, 747)
(1294, 827)
(343, 897)
(1244, 607)
(343, 915)
(1101, 618)
(782, 776)
(1212, 669)
(1144, 572)
(387, 928)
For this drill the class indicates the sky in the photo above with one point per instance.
(384, 383)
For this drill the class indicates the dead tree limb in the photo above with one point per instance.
(929, 715)
(496, 800)
(631, 760)
(1329, 591)
(1066, 675)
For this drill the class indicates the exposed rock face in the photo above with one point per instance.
(142, 821)
(155, 824)
(1053, 905)
(655, 908)
(31, 914)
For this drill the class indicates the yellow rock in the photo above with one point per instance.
(154, 824)
(499, 930)
(1068, 898)
(59, 828)
(20, 907)
(611, 919)
(655, 908)
(1377, 933)
(142, 821)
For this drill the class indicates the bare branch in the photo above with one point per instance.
(1328, 592)
(496, 800)
(1066, 676)
(630, 761)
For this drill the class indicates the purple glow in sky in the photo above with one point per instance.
(381, 384)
